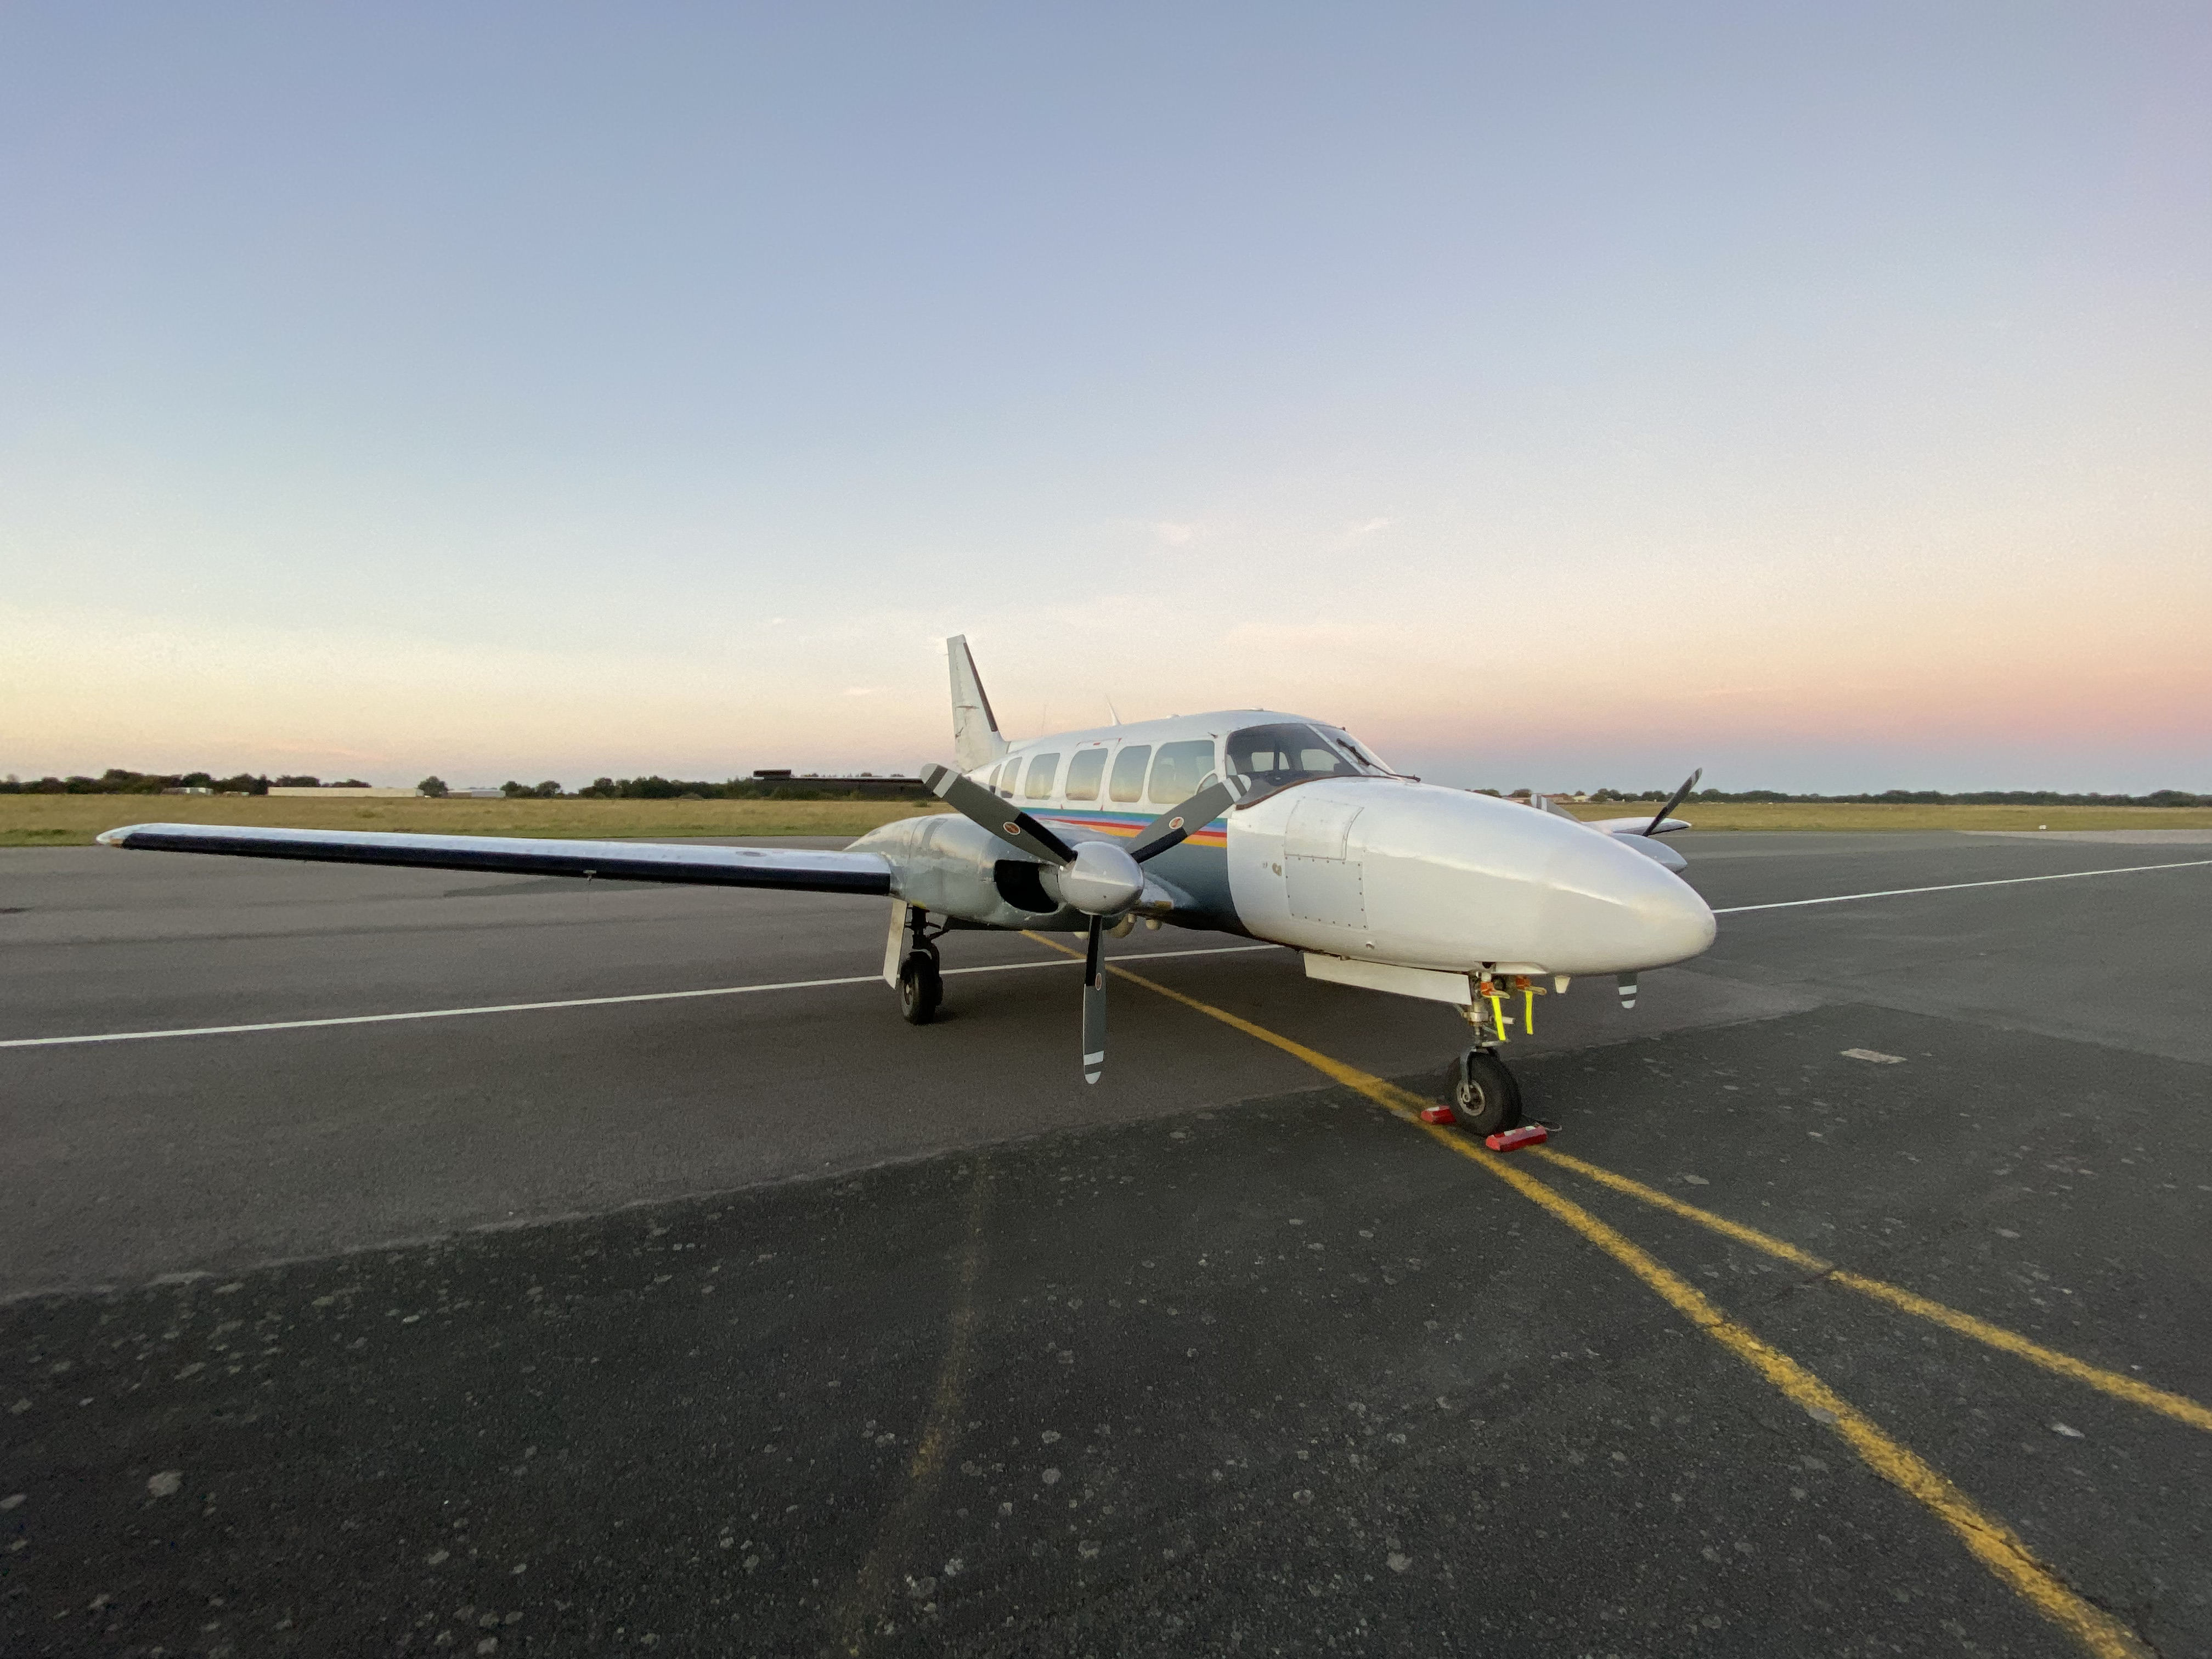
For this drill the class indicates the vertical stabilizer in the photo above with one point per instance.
(975, 739)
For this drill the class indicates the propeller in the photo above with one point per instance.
(1098, 878)
(1680, 795)
(1005, 821)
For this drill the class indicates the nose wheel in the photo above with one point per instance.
(1484, 1098)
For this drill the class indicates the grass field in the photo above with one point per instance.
(73, 820)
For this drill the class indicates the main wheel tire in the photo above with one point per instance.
(921, 989)
(1484, 1098)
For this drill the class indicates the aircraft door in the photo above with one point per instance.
(1321, 873)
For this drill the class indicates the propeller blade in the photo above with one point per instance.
(1010, 824)
(1094, 1001)
(1178, 824)
(1680, 795)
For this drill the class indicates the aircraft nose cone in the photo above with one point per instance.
(1445, 879)
(1614, 911)
(1672, 920)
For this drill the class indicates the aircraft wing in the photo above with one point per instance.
(1638, 826)
(1641, 833)
(796, 869)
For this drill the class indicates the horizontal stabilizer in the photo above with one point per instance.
(794, 869)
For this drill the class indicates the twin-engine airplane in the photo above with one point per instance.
(1272, 826)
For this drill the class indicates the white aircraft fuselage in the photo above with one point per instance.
(1331, 854)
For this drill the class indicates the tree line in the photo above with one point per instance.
(118, 781)
(656, 787)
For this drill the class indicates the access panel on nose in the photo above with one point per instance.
(1321, 883)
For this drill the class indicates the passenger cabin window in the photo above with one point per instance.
(1043, 769)
(1129, 781)
(1084, 772)
(1280, 754)
(1181, 768)
(1007, 776)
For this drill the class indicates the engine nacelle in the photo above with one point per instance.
(947, 864)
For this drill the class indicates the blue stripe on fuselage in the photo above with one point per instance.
(1199, 869)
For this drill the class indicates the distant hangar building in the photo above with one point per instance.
(322, 791)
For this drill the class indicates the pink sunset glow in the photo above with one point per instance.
(1842, 433)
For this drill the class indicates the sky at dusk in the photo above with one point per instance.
(1554, 395)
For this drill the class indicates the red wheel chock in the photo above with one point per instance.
(1512, 1140)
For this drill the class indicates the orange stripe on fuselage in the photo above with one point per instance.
(1128, 826)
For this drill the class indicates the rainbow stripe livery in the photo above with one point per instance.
(1125, 825)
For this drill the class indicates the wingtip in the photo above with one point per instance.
(117, 837)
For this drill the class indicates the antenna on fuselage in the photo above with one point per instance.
(1110, 710)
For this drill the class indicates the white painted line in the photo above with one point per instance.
(1956, 886)
(589, 1002)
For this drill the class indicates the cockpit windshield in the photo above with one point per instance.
(1281, 753)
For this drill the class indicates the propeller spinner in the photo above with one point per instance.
(1098, 878)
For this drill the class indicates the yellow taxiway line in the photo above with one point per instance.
(1987, 1538)
(2178, 1406)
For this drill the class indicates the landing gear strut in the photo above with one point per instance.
(1484, 1098)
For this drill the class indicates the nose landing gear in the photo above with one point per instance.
(1484, 1098)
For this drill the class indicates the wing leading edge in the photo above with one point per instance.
(793, 869)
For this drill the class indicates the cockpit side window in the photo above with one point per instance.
(1043, 769)
(1278, 754)
(1128, 780)
(1181, 770)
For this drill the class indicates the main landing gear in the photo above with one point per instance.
(921, 978)
(920, 987)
